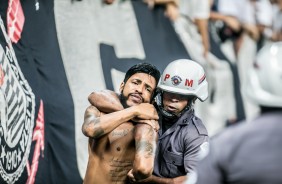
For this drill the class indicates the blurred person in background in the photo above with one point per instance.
(190, 20)
(251, 153)
(235, 18)
(264, 17)
(226, 20)
(276, 32)
(243, 39)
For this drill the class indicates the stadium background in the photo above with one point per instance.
(66, 50)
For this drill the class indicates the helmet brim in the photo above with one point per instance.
(181, 91)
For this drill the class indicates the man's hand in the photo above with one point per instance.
(145, 111)
(131, 178)
(156, 179)
(151, 3)
(172, 11)
(233, 23)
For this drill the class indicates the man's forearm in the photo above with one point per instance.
(145, 141)
(160, 180)
(95, 126)
(105, 100)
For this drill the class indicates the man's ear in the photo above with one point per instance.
(121, 87)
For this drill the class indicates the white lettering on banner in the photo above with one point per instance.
(117, 27)
(38, 137)
(3, 30)
(17, 115)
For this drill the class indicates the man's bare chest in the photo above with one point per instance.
(122, 134)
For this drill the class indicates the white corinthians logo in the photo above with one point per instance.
(17, 106)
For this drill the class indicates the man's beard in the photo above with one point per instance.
(123, 100)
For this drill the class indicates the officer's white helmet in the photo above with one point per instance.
(264, 85)
(185, 77)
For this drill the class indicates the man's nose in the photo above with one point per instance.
(174, 99)
(139, 88)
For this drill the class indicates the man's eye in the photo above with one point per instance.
(149, 89)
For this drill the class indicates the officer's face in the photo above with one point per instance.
(139, 88)
(174, 103)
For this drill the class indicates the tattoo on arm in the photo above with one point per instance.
(91, 124)
(98, 132)
(145, 147)
(151, 132)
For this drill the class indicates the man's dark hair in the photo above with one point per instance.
(143, 68)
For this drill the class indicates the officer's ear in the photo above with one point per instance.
(155, 93)
(193, 100)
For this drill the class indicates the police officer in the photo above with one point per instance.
(182, 135)
(251, 153)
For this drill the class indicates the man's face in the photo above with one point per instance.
(139, 88)
(174, 103)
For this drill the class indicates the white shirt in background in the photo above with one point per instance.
(195, 9)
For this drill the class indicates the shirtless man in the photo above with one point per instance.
(123, 143)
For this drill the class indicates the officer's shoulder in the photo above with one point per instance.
(200, 127)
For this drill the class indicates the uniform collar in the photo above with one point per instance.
(182, 121)
(185, 118)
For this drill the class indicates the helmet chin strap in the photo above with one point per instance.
(169, 115)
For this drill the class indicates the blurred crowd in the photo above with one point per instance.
(259, 19)
(235, 29)
(239, 28)
(238, 43)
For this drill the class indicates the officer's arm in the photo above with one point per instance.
(105, 100)
(195, 149)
